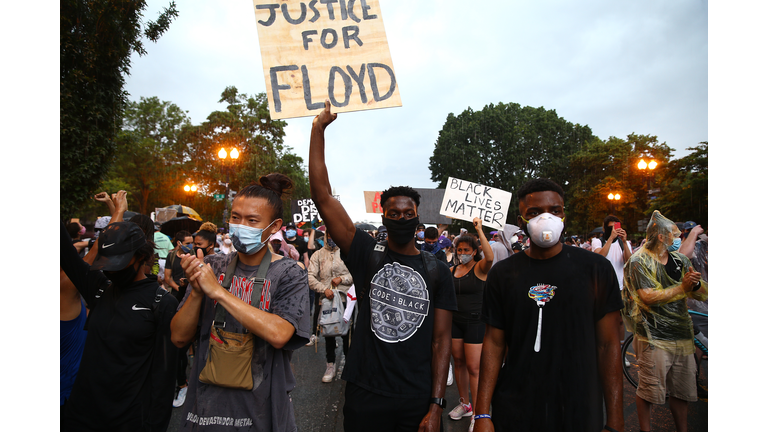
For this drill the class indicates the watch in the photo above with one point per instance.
(439, 401)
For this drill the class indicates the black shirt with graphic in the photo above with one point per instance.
(557, 388)
(391, 351)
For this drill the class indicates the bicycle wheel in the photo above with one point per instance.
(629, 361)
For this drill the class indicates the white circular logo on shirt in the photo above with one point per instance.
(399, 302)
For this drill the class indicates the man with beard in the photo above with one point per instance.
(397, 367)
(556, 309)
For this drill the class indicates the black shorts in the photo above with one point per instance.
(371, 412)
(472, 333)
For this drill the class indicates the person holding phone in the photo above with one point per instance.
(617, 250)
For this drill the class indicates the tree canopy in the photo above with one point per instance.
(160, 151)
(505, 145)
(96, 41)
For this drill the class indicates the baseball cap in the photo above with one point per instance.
(117, 244)
(382, 229)
(290, 225)
(688, 225)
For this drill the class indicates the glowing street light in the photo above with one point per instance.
(613, 197)
(233, 154)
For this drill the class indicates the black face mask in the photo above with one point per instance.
(402, 230)
(205, 250)
(122, 278)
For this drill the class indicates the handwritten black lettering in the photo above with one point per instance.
(308, 92)
(277, 87)
(347, 86)
(374, 85)
(272, 15)
(287, 16)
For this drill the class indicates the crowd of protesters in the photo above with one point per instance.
(527, 321)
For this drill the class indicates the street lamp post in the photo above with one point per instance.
(233, 155)
(613, 197)
(647, 169)
(190, 191)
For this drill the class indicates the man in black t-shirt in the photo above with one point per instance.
(397, 367)
(556, 308)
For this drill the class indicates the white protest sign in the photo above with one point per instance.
(466, 200)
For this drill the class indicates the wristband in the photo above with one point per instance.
(609, 429)
(479, 416)
(697, 286)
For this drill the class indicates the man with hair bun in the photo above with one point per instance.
(269, 311)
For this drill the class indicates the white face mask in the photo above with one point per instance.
(464, 258)
(545, 229)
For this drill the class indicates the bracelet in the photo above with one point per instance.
(697, 286)
(609, 429)
(479, 416)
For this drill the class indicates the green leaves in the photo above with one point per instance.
(505, 145)
(96, 40)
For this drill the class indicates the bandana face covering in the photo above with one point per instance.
(402, 230)
(246, 239)
(544, 230)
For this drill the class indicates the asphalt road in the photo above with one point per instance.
(318, 406)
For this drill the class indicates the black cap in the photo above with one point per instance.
(117, 245)
(290, 225)
(382, 229)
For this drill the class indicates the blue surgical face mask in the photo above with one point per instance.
(420, 235)
(291, 233)
(675, 245)
(246, 239)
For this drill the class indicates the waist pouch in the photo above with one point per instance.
(230, 354)
(229, 360)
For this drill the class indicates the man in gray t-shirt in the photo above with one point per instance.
(267, 407)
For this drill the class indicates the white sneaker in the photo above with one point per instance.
(180, 398)
(450, 374)
(472, 424)
(461, 411)
(329, 372)
(312, 340)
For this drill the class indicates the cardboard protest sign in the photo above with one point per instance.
(316, 50)
(466, 200)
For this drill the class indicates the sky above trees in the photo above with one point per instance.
(617, 67)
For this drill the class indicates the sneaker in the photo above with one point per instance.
(312, 340)
(180, 398)
(460, 411)
(329, 372)
(472, 424)
(450, 374)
